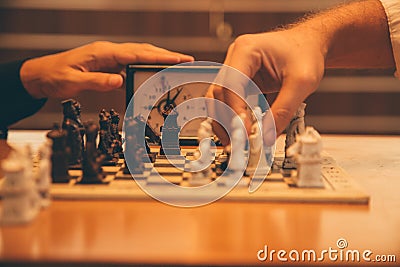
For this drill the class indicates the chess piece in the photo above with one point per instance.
(43, 179)
(201, 166)
(73, 142)
(296, 127)
(222, 161)
(133, 150)
(307, 153)
(92, 172)
(72, 123)
(117, 139)
(149, 135)
(19, 196)
(170, 132)
(106, 144)
(72, 111)
(258, 153)
(237, 156)
(59, 155)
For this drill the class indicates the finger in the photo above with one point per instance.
(211, 110)
(98, 81)
(216, 92)
(146, 53)
(284, 107)
(244, 63)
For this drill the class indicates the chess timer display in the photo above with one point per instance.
(160, 93)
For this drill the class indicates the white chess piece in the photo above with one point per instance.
(237, 160)
(201, 166)
(43, 179)
(257, 163)
(307, 153)
(26, 154)
(20, 202)
(295, 128)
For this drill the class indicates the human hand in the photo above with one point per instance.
(290, 61)
(95, 66)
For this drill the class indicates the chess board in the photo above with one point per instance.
(338, 185)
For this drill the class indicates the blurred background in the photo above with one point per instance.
(348, 101)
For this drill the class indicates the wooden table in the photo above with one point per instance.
(221, 233)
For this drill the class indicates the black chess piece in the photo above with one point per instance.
(72, 123)
(59, 155)
(170, 133)
(73, 142)
(92, 172)
(105, 137)
(106, 142)
(134, 151)
(117, 138)
(149, 134)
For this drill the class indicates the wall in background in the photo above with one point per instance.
(347, 101)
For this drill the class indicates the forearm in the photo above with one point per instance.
(355, 35)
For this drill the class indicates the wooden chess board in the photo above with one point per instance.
(338, 185)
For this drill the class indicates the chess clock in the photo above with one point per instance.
(163, 90)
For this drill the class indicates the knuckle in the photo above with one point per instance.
(99, 45)
(308, 81)
(244, 40)
(283, 115)
(147, 46)
(210, 93)
(218, 92)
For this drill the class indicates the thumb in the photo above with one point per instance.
(98, 81)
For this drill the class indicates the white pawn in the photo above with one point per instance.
(201, 166)
(20, 203)
(43, 179)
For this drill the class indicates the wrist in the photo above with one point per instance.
(31, 78)
(315, 36)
